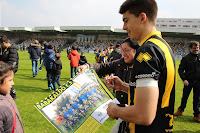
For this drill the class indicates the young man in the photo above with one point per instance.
(189, 70)
(9, 56)
(152, 101)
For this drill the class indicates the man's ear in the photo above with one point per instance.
(143, 17)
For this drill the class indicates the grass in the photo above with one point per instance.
(31, 90)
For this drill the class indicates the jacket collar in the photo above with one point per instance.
(158, 33)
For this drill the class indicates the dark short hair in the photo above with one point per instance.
(49, 46)
(193, 43)
(136, 7)
(132, 44)
(3, 39)
(73, 47)
(4, 69)
(117, 45)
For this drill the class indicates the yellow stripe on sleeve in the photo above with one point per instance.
(170, 71)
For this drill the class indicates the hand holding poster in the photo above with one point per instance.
(79, 105)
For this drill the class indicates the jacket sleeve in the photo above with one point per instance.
(39, 52)
(13, 57)
(181, 69)
(52, 57)
(6, 122)
(69, 57)
(105, 68)
(81, 62)
(85, 60)
(29, 49)
(1, 121)
(54, 66)
(78, 57)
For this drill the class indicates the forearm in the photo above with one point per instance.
(101, 68)
(133, 115)
(143, 111)
(130, 114)
(125, 87)
(38, 45)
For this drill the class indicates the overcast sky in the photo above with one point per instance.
(33, 13)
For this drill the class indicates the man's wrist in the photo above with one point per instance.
(124, 87)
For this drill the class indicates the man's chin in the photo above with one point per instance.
(125, 60)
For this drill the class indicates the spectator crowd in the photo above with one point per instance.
(179, 48)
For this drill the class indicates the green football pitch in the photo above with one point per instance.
(32, 90)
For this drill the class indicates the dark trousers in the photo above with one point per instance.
(196, 95)
(56, 79)
(73, 70)
(49, 76)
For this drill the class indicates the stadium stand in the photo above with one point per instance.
(179, 49)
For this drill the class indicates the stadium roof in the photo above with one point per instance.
(19, 29)
(45, 29)
(104, 29)
(4, 29)
(87, 28)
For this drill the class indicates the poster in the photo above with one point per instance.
(79, 105)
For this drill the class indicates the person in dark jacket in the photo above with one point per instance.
(120, 67)
(10, 56)
(189, 71)
(83, 59)
(56, 71)
(9, 113)
(116, 53)
(45, 46)
(74, 58)
(35, 54)
(49, 57)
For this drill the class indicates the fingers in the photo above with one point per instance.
(186, 83)
(110, 110)
(126, 105)
(78, 69)
(82, 68)
(108, 82)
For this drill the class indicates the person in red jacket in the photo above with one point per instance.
(74, 58)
